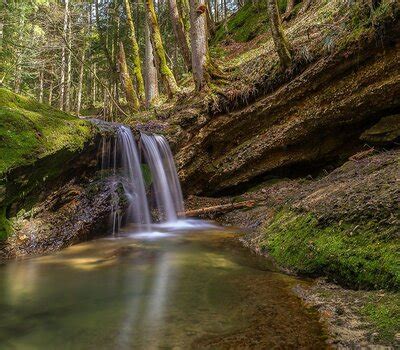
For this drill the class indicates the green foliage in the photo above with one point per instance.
(365, 20)
(146, 172)
(248, 22)
(30, 130)
(384, 315)
(359, 257)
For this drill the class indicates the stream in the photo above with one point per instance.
(174, 288)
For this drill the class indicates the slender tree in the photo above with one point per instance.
(198, 35)
(159, 52)
(41, 84)
(183, 6)
(180, 35)
(126, 81)
(109, 54)
(278, 35)
(137, 69)
(67, 106)
(82, 65)
(289, 9)
(150, 69)
(210, 19)
(64, 55)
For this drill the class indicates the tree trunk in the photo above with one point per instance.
(69, 66)
(63, 56)
(198, 35)
(105, 103)
(180, 35)
(183, 5)
(50, 100)
(225, 11)
(222, 208)
(210, 19)
(289, 9)
(94, 87)
(85, 31)
(130, 94)
(41, 78)
(278, 35)
(80, 83)
(159, 52)
(150, 70)
(137, 69)
(104, 42)
(305, 6)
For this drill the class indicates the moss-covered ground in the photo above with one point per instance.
(30, 130)
(358, 256)
(383, 312)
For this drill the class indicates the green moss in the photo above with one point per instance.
(4, 224)
(30, 130)
(30, 133)
(148, 179)
(248, 22)
(384, 315)
(359, 257)
(365, 22)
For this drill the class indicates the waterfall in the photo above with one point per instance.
(166, 184)
(121, 157)
(138, 209)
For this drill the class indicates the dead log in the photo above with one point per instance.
(220, 208)
(363, 154)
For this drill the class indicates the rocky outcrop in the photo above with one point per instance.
(316, 119)
(75, 212)
(48, 162)
(386, 131)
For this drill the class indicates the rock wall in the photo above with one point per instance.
(315, 120)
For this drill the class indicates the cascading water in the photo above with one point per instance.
(166, 184)
(120, 155)
(138, 209)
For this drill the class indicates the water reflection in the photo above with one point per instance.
(186, 290)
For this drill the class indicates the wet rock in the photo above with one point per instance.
(75, 212)
(386, 131)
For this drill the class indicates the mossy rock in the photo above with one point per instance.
(357, 256)
(30, 130)
(37, 142)
(387, 130)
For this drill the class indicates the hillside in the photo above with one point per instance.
(230, 177)
(265, 123)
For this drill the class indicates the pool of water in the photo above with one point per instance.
(180, 289)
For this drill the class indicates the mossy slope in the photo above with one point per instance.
(248, 22)
(30, 130)
(31, 133)
(359, 256)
